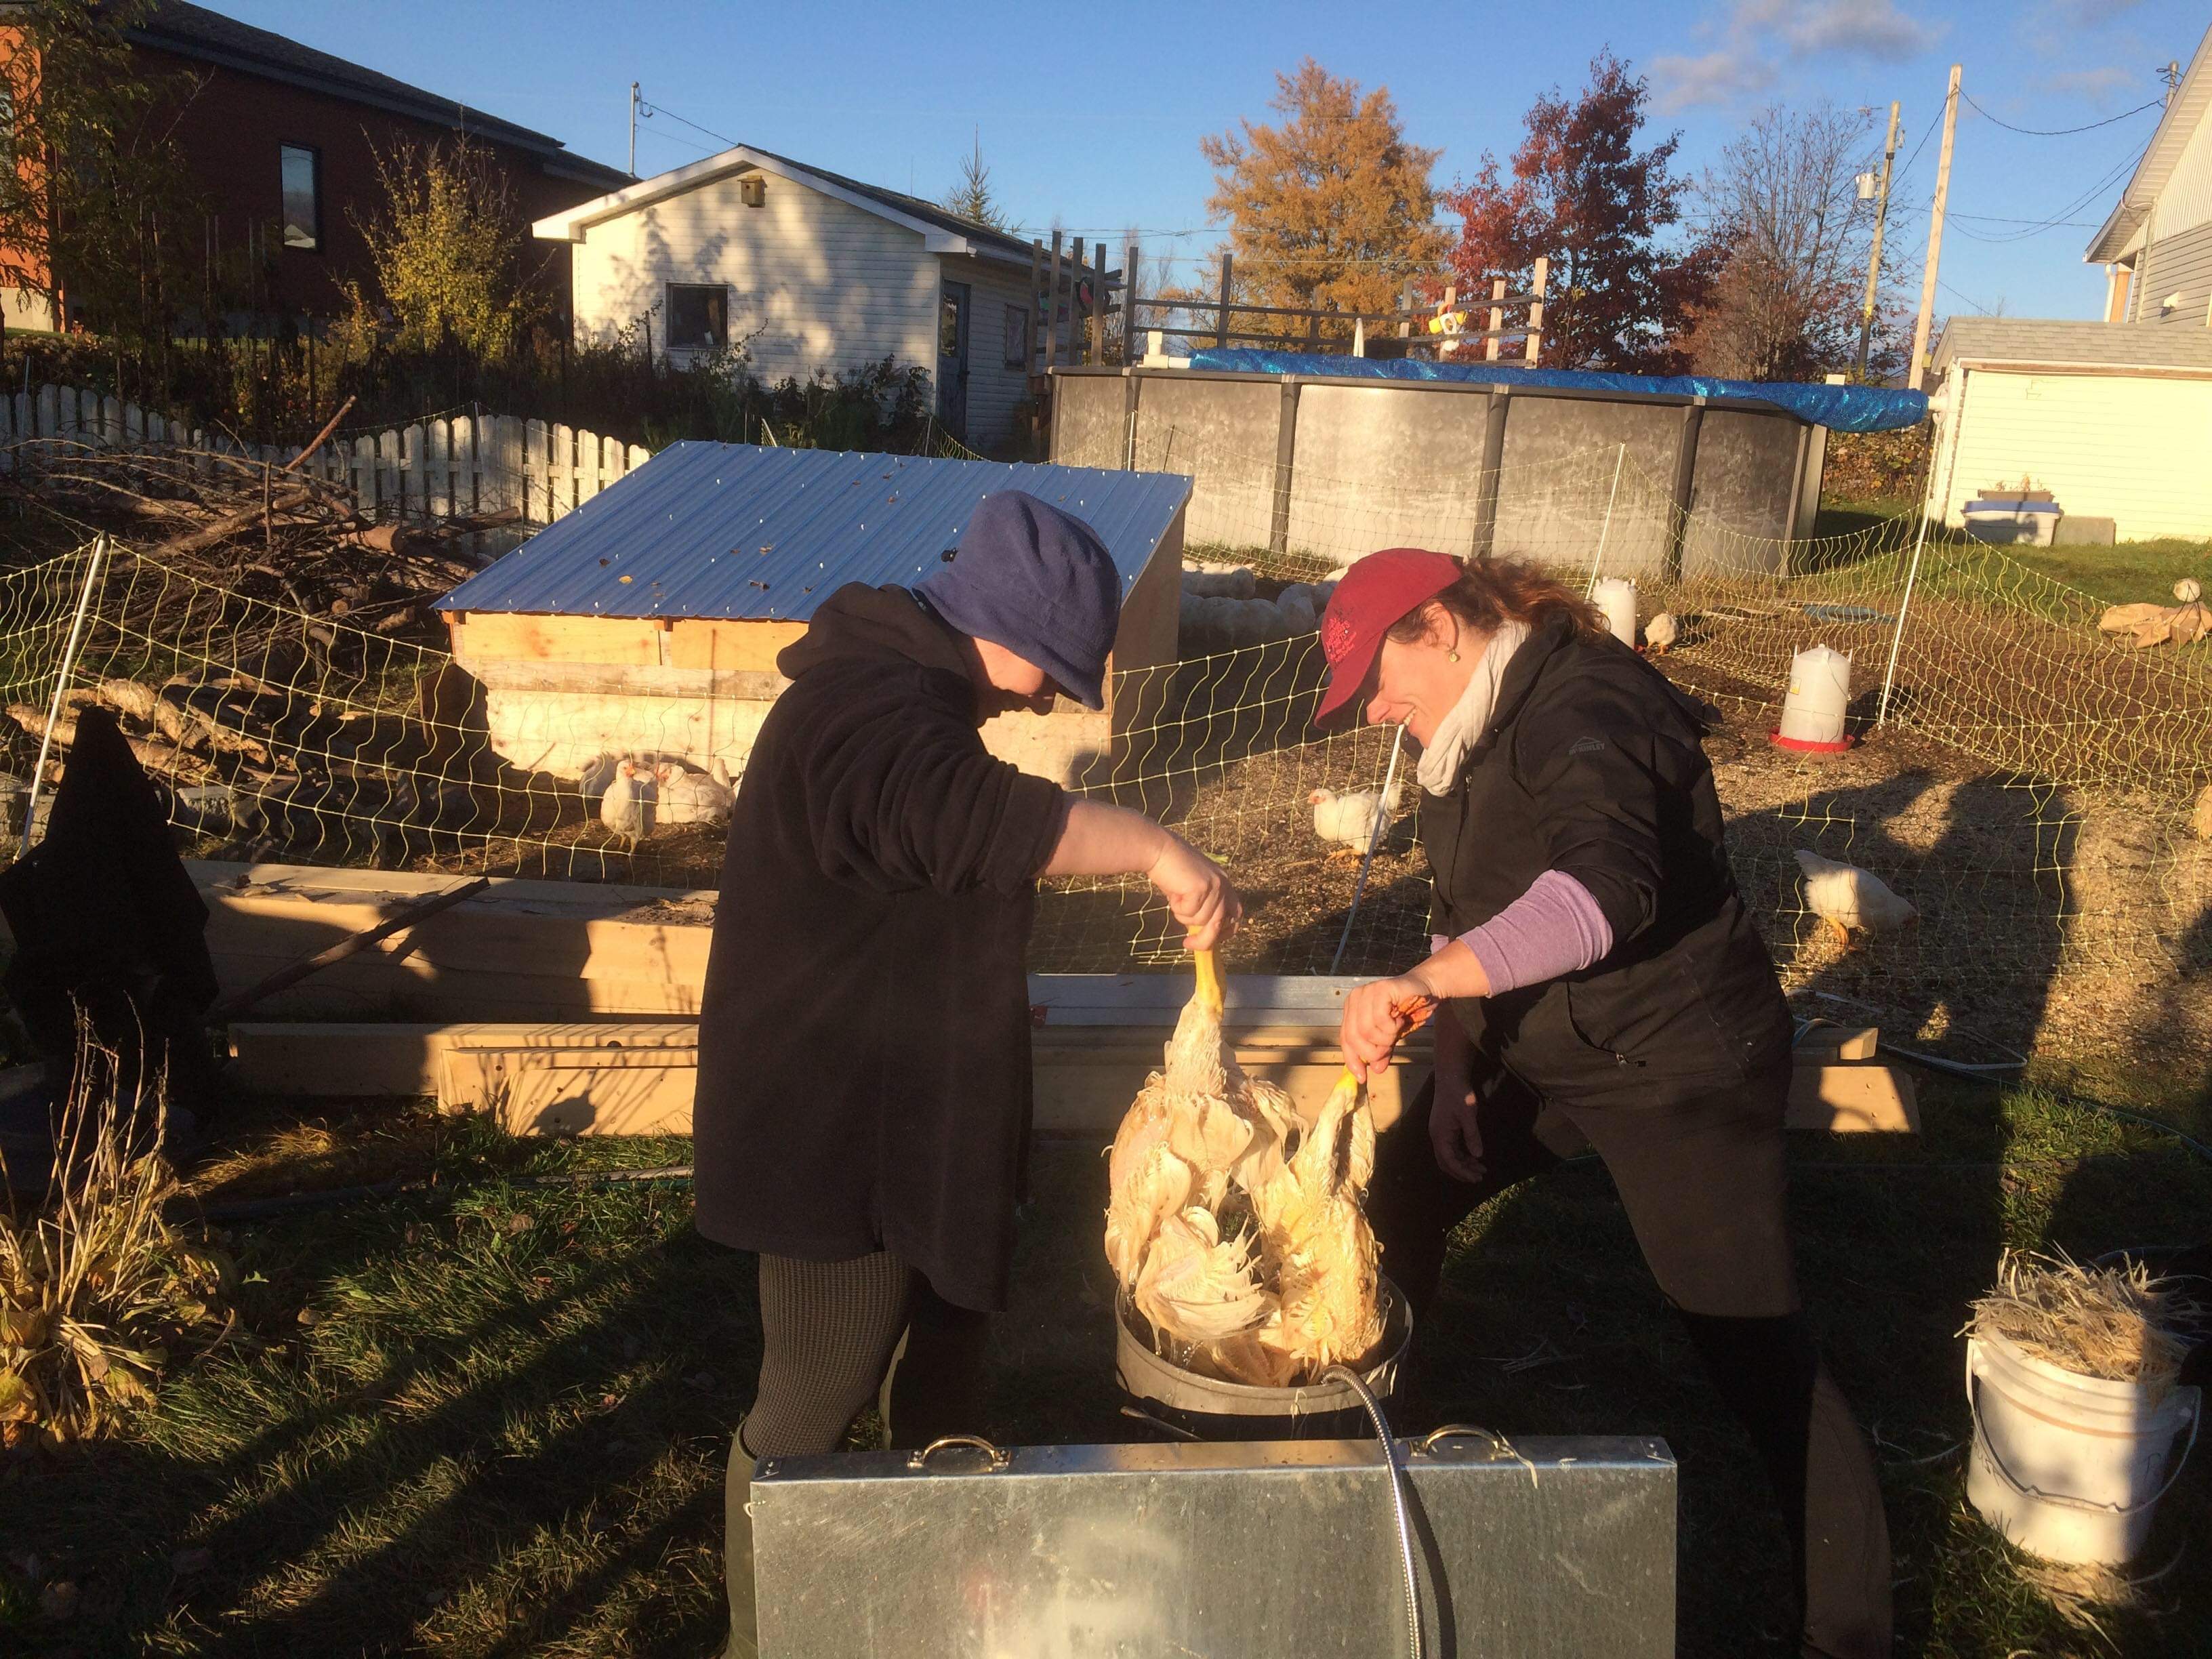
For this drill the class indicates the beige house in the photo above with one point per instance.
(809, 270)
(2113, 419)
(2156, 244)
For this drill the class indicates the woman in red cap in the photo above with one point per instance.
(1605, 988)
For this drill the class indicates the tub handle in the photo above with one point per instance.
(1427, 1444)
(1982, 1443)
(968, 1442)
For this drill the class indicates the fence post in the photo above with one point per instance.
(1497, 318)
(1486, 481)
(1098, 303)
(1052, 307)
(1129, 263)
(1221, 321)
(1620, 456)
(1286, 446)
(60, 686)
(1374, 841)
(1686, 476)
(1919, 541)
(1406, 306)
(1537, 307)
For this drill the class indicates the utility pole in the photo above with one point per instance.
(633, 129)
(1873, 259)
(1915, 371)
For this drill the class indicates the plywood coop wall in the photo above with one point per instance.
(559, 690)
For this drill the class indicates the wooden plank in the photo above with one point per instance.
(554, 1092)
(494, 637)
(362, 1061)
(1838, 1042)
(537, 474)
(649, 1090)
(560, 471)
(736, 646)
(1853, 1098)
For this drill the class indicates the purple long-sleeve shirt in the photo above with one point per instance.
(1554, 929)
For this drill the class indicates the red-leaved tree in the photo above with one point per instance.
(1580, 193)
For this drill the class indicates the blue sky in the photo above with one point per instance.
(1096, 123)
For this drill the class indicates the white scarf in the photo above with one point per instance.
(1462, 728)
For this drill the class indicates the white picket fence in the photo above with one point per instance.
(457, 466)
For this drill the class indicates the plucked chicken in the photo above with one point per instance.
(1233, 1229)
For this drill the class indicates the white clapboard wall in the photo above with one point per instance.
(451, 466)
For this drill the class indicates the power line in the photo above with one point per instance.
(1997, 219)
(649, 110)
(2059, 132)
(2037, 227)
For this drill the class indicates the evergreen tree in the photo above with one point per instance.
(971, 198)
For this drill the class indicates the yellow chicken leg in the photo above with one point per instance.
(1209, 982)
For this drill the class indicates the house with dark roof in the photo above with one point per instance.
(809, 270)
(283, 140)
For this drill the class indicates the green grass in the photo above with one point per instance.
(492, 1421)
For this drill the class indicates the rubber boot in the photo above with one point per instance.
(737, 1552)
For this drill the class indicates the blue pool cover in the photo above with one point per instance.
(1839, 408)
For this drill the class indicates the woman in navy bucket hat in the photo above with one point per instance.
(862, 1115)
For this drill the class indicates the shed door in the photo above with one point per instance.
(952, 360)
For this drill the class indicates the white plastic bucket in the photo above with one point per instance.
(1820, 692)
(1615, 599)
(2069, 1467)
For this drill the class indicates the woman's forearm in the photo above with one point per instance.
(1098, 840)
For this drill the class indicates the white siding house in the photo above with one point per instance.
(2113, 419)
(2156, 244)
(812, 271)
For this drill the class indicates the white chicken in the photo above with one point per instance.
(721, 774)
(1661, 632)
(627, 807)
(682, 796)
(1849, 899)
(1352, 817)
(598, 772)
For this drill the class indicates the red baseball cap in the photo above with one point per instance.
(1376, 594)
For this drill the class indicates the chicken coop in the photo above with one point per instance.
(647, 621)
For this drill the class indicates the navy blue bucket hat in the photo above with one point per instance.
(1038, 581)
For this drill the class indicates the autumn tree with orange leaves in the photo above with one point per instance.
(1329, 208)
(1622, 288)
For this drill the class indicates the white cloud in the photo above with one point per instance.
(1755, 35)
(2095, 84)
(1717, 77)
(1871, 29)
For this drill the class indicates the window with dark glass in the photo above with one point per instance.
(303, 172)
(698, 317)
(1017, 336)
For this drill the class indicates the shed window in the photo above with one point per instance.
(698, 317)
(302, 169)
(1017, 336)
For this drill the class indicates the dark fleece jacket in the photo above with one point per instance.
(864, 1064)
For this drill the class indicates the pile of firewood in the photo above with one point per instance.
(257, 531)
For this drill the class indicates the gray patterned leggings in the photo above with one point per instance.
(833, 1335)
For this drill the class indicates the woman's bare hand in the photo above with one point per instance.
(1199, 893)
(1375, 1016)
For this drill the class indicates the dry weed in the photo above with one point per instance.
(96, 1285)
(2109, 1322)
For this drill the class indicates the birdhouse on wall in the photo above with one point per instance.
(647, 621)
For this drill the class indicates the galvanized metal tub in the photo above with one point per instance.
(1207, 1408)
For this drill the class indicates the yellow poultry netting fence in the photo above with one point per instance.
(2029, 793)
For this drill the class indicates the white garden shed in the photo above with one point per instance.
(2113, 419)
(812, 270)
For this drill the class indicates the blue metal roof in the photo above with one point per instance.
(740, 531)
